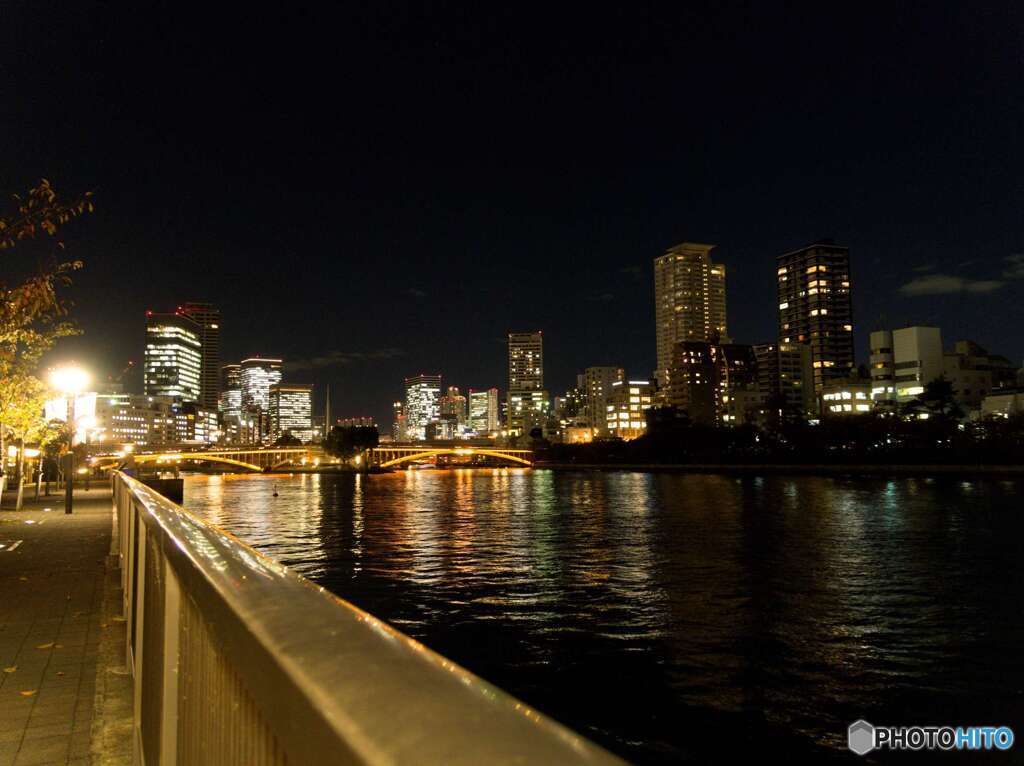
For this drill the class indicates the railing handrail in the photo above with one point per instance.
(334, 683)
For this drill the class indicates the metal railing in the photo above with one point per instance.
(236, 660)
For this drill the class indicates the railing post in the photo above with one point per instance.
(135, 628)
(169, 704)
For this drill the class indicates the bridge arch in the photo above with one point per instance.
(390, 457)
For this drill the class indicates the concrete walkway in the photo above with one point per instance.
(52, 575)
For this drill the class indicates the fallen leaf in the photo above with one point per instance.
(11, 669)
(45, 646)
(23, 579)
(28, 692)
(58, 646)
(60, 672)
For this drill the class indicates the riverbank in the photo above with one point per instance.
(826, 469)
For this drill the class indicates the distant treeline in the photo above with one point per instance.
(853, 439)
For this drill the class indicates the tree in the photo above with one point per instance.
(287, 440)
(937, 400)
(33, 313)
(347, 441)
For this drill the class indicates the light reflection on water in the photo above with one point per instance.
(641, 609)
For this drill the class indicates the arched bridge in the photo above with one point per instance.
(389, 456)
(251, 458)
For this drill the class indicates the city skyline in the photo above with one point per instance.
(535, 186)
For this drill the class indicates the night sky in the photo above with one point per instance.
(385, 189)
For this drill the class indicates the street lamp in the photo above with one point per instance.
(69, 381)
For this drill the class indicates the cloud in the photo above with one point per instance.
(1014, 266)
(601, 297)
(343, 359)
(943, 284)
(635, 272)
(924, 267)
(416, 293)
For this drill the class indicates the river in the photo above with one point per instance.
(677, 617)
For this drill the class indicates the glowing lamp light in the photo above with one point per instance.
(69, 380)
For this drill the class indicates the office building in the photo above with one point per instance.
(256, 376)
(815, 308)
(195, 424)
(626, 405)
(422, 405)
(230, 398)
(597, 386)
(525, 378)
(454, 403)
(398, 421)
(527, 410)
(483, 411)
(689, 301)
(291, 410)
(173, 358)
(207, 319)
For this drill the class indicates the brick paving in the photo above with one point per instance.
(51, 597)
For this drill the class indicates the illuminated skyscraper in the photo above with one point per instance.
(526, 392)
(256, 377)
(173, 357)
(483, 411)
(454, 403)
(207, 318)
(422, 405)
(689, 301)
(291, 410)
(815, 308)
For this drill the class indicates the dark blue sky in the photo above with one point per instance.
(379, 191)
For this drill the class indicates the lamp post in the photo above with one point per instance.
(69, 381)
(88, 423)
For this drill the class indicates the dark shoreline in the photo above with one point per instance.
(998, 471)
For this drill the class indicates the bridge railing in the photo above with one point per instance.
(235, 659)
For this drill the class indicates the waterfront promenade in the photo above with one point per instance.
(53, 571)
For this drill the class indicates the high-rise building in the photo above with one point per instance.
(525, 361)
(422, 404)
(626, 408)
(689, 301)
(173, 356)
(291, 410)
(454, 403)
(597, 386)
(230, 398)
(398, 422)
(815, 308)
(525, 378)
(483, 411)
(256, 376)
(207, 318)
(785, 379)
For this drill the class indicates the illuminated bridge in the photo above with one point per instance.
(251, 458)
(396, 454)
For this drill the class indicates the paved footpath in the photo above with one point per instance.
(51, 595)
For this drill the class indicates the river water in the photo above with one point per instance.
(674, 617)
